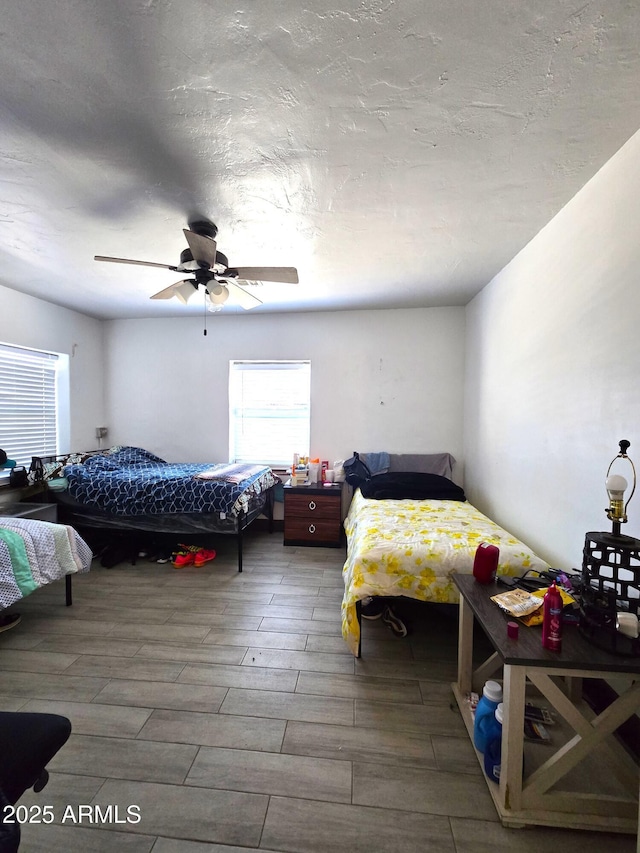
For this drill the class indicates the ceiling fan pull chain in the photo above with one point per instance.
(205, 313)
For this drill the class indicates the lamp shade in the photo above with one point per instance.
(218, 293)
(184, 291)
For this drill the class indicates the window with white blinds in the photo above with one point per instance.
(28, 404)
(269, 411)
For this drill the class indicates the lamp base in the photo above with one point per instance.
(615, 539)
(610, 586)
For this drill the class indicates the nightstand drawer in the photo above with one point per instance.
(300, 530)
(313, 507)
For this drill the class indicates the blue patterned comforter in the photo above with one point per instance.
(133, 481)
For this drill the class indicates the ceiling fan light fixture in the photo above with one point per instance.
(218, 293)
(211, 271)
(184, 291)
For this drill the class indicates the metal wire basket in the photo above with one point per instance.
(610, 588)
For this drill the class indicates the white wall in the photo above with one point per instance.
(553, 369)
(380, 380)
(30, 322)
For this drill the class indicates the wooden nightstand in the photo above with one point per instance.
(313, 515)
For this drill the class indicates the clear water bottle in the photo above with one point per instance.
(485, 713)
(493, 750)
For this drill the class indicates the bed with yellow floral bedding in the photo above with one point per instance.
(413, 548)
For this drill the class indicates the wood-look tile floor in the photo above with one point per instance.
(227, 708)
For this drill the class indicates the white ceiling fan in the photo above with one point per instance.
(211, 269)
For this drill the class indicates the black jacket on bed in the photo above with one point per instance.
(401, 485)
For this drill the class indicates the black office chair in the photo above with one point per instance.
(28, 742)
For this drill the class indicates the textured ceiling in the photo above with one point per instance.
(397, 153)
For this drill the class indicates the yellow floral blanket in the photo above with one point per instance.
(412, 548)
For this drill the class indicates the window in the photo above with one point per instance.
(269, 411)
(28, 404)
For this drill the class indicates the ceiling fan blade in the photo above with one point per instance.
(178, 289)
(202, 248)
(286, 274)
(245, 299)
(137, 263)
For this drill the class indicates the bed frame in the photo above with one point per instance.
(78, 515)
(364, 549)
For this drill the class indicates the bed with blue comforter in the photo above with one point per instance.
(130, 488)
(133, 481)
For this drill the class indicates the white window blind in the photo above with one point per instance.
(269, 411)
(28, 404)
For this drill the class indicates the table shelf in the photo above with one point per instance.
(608, 791)
(585, 779)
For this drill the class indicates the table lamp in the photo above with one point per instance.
(610, 604)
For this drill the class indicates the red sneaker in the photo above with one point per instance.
(181, 560)
(203, 556)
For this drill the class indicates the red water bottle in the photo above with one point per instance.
(485, 562)
(552, 619)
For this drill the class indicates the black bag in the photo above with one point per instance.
(18, 477)
(356, 471)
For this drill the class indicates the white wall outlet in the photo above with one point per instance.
(101, 432)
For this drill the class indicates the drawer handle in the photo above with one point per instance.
(312, 528)
(312, 504)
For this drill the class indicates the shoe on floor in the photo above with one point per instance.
(203, 556)
(115, 554)
(9, 620)
(183, 559)
(372, 608)
(394, 622)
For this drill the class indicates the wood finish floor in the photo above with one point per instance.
(228, 709)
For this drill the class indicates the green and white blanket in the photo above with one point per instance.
(35, 553)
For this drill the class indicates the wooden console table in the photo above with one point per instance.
(537, 782)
